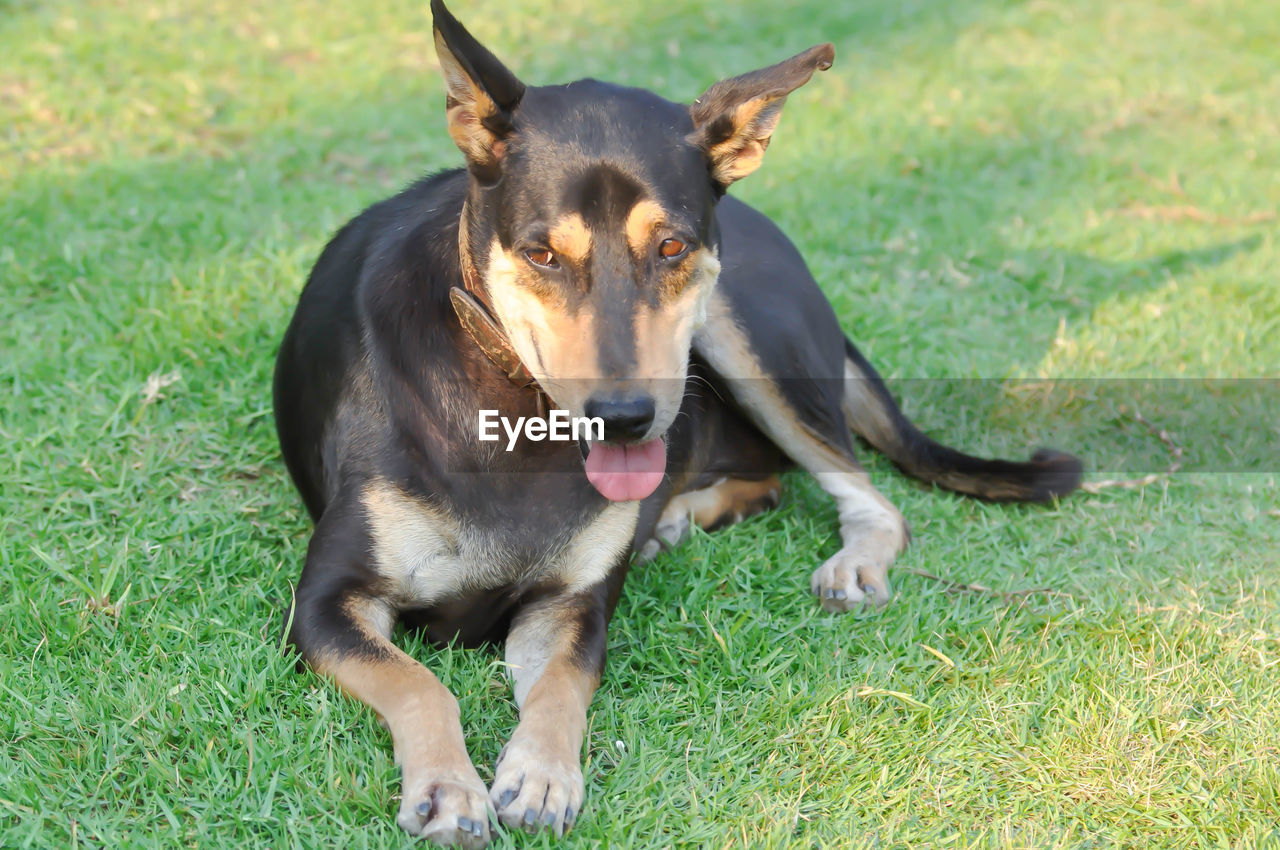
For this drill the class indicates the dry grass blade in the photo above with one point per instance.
(1175, 451)
(1007, 595)
(1186, 212)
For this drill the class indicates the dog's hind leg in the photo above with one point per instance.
(802, 414)
(341, 627)
(727, 501)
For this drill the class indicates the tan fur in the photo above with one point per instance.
(743, 152)
(752, 104)
(422, 552)
(731, 500)
(570, 239)
(703, 266)
(554, 706)
(866, 413)
(664, 333)
(422, 717)
(871, 528)
(426, 555)
(643, 219)
(565, 356)
(542, 761)
(727, 501)
(595, 549)
(729, 352)
(541, 633)
(467, 105)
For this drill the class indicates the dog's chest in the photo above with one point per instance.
(428, 556)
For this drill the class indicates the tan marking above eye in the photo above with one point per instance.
(571, 238)
(643, 219)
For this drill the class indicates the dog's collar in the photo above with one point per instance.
(477, 319)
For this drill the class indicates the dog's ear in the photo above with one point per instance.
(481, 94)
(735, 118)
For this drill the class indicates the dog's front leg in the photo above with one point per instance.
(341, 627)
(556, 649)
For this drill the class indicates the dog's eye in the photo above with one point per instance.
(672, 248)
(542, 257)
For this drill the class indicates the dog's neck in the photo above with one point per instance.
(476, 314)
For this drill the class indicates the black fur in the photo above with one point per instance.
(377, 383)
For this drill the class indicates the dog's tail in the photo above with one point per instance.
(875, 416)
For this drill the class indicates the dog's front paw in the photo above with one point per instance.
(533, 790)
(848, 578)
(446, 808)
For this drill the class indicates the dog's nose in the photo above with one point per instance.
(624, 418)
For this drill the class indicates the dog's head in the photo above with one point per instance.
(590, 223)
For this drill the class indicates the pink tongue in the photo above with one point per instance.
(626, 473)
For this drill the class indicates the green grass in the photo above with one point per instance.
(987, 189)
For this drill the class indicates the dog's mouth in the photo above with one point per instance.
(625, 472)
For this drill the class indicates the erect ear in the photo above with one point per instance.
(481, 94)
(735, 118)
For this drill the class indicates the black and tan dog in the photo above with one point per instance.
(586, 260)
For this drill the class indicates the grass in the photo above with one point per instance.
(987, 190)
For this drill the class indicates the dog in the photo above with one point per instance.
(587, 260)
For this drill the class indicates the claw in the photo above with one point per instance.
(530, 817)
(424, 809)
(506, 798)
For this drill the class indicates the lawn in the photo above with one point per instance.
(991, 192)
